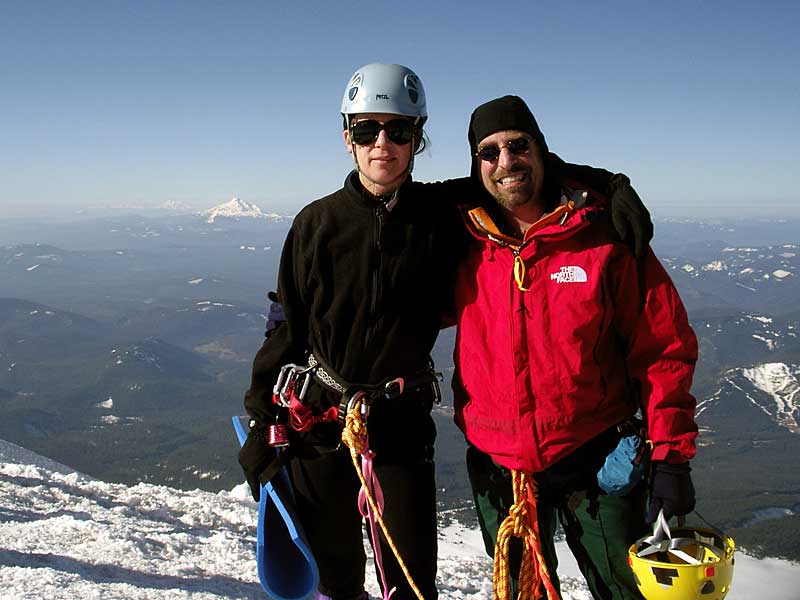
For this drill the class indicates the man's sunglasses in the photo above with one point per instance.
(491, 152)
(399, 131)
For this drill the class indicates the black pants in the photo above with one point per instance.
(326, 488)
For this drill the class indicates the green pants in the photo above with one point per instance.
(598, 532)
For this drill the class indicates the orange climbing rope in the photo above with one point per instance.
(355, 437)
(523, 522)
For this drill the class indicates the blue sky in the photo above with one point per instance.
(139, 103)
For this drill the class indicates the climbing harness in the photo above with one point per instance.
(351, 412)
(523, 522)
(294, 380)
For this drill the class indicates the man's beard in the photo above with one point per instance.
(519, 196)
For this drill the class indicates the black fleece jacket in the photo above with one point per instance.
(364, 287)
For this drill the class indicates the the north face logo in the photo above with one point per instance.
(571, 274)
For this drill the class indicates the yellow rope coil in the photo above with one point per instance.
(355, 437)
(522, 522)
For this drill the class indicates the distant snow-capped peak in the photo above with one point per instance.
(237, 209)
(175, 206)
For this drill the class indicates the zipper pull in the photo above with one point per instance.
(519, 272)
(380, 213)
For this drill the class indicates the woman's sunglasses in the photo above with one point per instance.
(399, 131)
(491, 152)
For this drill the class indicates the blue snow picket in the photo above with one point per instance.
(286, 568)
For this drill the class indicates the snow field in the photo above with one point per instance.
(66, 536)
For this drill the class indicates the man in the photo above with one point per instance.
(562, 337)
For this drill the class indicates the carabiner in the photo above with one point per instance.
(281, 386)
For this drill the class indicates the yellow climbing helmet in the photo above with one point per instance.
(688, 563)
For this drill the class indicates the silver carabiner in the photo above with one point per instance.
(436, 390)
(355, 398)
(306, 374)
(277, 389)
(286, 378)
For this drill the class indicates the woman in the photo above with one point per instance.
(364, 281)
(366, 275)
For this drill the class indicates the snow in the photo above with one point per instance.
(235, 208)
(776, 379)
(175, 206)
(770, 343)
(761, 318)
(770, 513)
(64, 535)
(782, 383)
(716, 265)
(206, 305)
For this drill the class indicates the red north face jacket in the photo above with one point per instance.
(562, 337)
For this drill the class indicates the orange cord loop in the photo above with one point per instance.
(523, 522)
(355, 437)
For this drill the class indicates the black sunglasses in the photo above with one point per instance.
(491, 152)
(399, 131)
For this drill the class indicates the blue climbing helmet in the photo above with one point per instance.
(382, 88)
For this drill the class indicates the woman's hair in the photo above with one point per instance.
(424, 141)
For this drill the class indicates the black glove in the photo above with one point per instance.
(276, 317)
(254, 456)
(672, 490)
(629, 214)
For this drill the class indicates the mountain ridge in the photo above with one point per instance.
(237, 208)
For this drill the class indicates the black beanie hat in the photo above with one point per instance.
(503, 114)
(506, 114)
